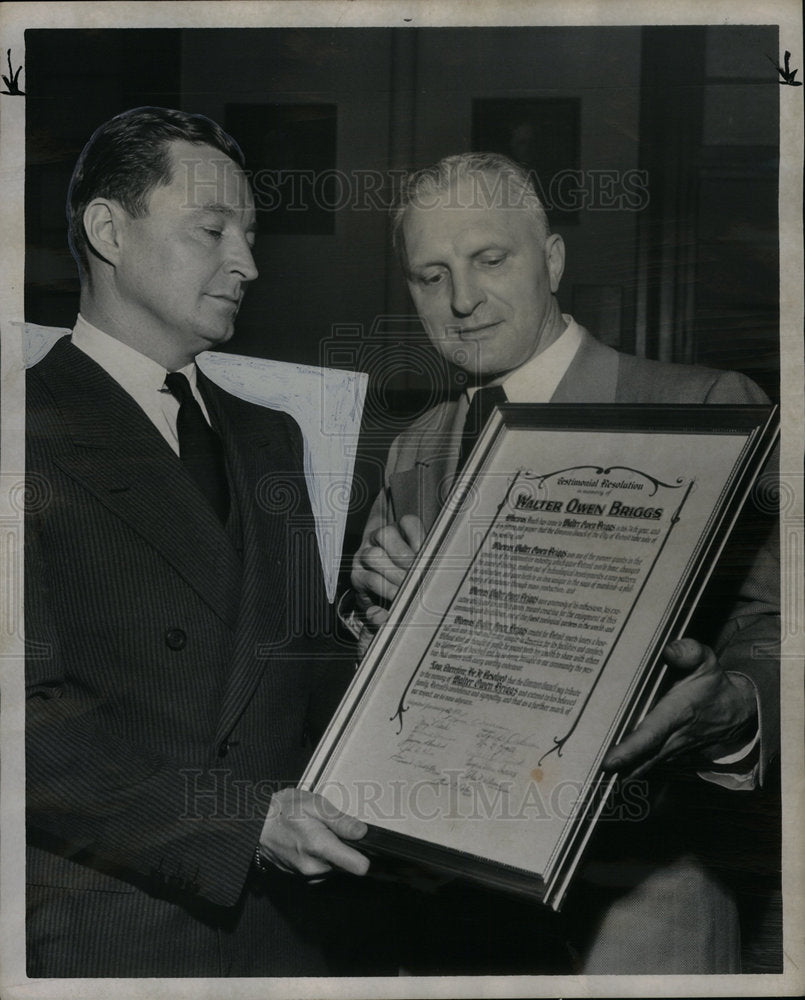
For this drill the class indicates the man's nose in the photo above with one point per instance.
(242, 262)
(467, 294)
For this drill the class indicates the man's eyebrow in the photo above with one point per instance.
(438, 262)
(428, 262)
(217, 208)
(489, 248)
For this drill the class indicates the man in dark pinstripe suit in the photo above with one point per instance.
(178, 657)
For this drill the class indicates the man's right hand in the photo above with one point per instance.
(303, 833)
(380, 565)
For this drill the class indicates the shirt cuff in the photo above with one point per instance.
(348, 615)
(740, 770)
(739, 755)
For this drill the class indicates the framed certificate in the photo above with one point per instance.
(527, 637)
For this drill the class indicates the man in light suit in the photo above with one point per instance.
(483, 270)
(179, 658)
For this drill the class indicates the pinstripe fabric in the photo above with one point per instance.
(171, 697)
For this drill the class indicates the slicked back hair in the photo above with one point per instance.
(498, 182)
(127, 157)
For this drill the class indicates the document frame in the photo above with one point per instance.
(526, 639)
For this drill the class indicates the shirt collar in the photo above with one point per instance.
(537, 379)
(132, 370)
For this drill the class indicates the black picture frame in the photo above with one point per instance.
(290, 152)
(517, 127)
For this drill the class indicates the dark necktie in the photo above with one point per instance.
(483, 402)
(200, 447)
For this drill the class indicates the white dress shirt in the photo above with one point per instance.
(142, 378)
(537, 379)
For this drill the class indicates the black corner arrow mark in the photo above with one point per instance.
(787, 74)
(11, 81)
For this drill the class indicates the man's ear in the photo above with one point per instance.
(555, 259)
(103, 225)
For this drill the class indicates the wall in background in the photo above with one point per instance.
(682, 264)
(599, 68)
(308, 282)
(75, 80)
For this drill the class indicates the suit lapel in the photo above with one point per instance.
(119, 457)
(592, 376)
(423, 488)
(256, 448)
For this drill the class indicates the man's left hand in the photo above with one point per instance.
(708, 712)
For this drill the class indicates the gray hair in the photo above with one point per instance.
(512, 187)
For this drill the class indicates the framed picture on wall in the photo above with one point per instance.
(290, 149)
(518, 128)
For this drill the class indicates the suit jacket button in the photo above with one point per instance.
(176, 638)
(226, 745)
